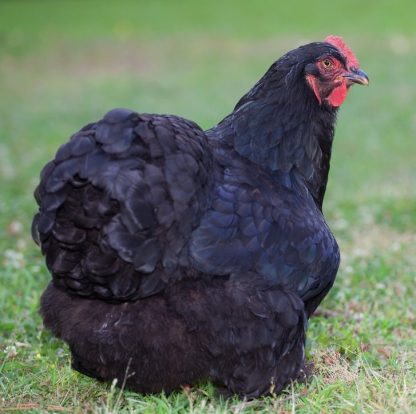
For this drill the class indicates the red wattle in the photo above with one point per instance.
(338, 95)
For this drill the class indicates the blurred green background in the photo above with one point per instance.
(65, 63)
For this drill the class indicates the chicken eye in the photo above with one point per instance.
(327, 63)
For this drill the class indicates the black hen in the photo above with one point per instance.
(179, 254)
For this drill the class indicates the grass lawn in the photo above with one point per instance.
(64, 64)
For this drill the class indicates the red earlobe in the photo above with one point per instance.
(312, 83)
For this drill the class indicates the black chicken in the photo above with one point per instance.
(179, 254)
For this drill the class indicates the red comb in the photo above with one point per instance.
(339, 43)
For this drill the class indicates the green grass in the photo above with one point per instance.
(63, 64)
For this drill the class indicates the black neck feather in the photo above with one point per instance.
(280, 126)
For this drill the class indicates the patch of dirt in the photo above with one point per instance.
(141, 56)
(332, 367)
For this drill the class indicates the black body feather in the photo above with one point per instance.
(179, 254)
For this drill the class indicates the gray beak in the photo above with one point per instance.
(357, 76)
